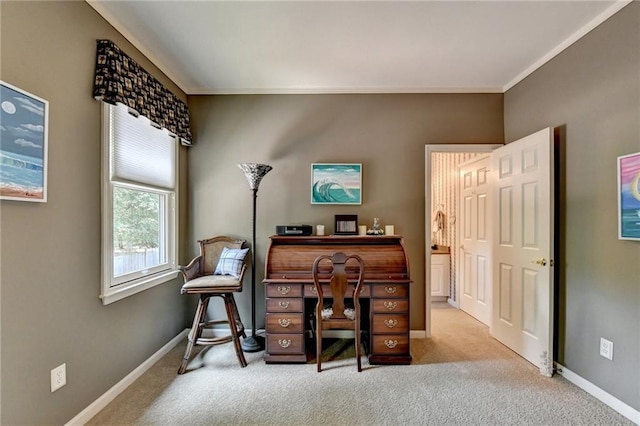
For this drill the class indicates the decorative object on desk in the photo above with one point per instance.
(389, 230)
(346, 224)
(23, 145)
(320, 230)
(629, 197)
(254, 174)
(375, 228)
(336, 183)
(294, 230)
(362, 229)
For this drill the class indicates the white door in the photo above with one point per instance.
(474, 251)
(522, 313)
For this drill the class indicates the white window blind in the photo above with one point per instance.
(141, 154)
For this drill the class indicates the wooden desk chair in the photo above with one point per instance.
(217, 272)
(337, 316)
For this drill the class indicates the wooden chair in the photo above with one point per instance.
(201, 278)
(337, 316)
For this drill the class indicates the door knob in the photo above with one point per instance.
(462, 247)
(542, 261)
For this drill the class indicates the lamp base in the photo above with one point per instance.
(252, 344)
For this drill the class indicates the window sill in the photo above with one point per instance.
(114, 294)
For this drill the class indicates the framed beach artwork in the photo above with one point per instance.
(629, 197)
(336, 183)
(23, 145)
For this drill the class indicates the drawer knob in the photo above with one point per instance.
(391, 305)
(391, 290)
(284, 343)
(390, 323)
(284, 322)
(283, 304)
(314, 289)
(284, 289)
(390, 343)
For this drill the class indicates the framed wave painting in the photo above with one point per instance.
(629, 197)
(336, 183)
(23, 145)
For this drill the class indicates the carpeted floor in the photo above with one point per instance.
(460, 376)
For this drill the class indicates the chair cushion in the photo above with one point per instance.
(327, 312)
(230, 262)
(215, 282)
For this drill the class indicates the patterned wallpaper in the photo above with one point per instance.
(444, 198)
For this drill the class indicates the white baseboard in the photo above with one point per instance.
(418, 334)
(452, 303)
(88, 413)
(605, 397)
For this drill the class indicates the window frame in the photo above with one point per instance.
(120, 287)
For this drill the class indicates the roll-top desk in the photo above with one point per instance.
(290, 294)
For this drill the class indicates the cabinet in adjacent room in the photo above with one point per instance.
(440, 275)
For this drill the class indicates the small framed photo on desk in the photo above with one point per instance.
(346, 224)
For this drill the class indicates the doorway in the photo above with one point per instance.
(523, 244)
(432, 207)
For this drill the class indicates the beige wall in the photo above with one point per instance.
(591, 92)
(386, 133)
(50, 273)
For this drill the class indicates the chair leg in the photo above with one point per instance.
(195, 332)
(238, 320)
(232, 313)
(357, 331)
(203, 317)
(319, 346)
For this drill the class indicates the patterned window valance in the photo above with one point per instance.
(120, 79)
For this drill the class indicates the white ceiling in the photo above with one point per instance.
(221, 47)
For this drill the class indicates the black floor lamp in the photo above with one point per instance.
(254, 173)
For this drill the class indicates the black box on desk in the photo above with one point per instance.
(301, 230)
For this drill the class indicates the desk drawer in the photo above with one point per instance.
(310, 290)
(390, 323)
(284, 290)
(285, 344)
(390, 290)
(391, 344)
(390, 305)
(285, 323)
(284, 305)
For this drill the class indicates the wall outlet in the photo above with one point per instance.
(58, 377)
(606, 348)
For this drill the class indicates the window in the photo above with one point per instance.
(139, 220)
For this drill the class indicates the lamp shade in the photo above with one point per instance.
(254, 173)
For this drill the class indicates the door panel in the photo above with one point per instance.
(475, 243)
(523, 248)
(505, 286)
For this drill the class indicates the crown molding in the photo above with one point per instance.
(344, 90)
